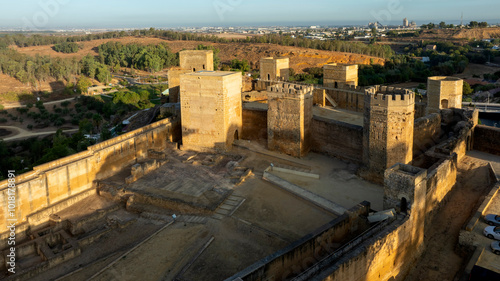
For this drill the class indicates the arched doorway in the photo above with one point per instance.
(444, 104)
(404, 205)
(268, 76)
(236, 136)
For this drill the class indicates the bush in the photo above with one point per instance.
(65, 103)
(3, 120)
(30, 127)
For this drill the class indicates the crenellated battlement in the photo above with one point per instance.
(290, 88)
(390, 96)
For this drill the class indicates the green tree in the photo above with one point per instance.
(103, 74)
(85, 126)
(83, 84)
(467, 89)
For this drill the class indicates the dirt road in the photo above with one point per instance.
(22, 133)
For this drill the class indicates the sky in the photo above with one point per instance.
(46, 14)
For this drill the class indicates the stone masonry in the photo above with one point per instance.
(444, 92)
(274, 68)
(190, 61)
(211, 111)
(335, 75)
(197, 60)
(388, 128)
(289, 118)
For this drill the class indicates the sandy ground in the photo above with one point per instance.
(268, 220)
(439, 261)
(477, 69)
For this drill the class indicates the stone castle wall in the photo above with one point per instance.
(337, 139)
(54, 185)
(486, 139)
(428, 133)
(298, 256)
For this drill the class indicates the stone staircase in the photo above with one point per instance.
(228, 207)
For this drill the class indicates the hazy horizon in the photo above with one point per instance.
(67, 14)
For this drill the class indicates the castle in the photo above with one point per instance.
(382, 129)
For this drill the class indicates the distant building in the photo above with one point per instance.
(405, 22)
(430, 47)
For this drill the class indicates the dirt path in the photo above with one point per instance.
(22, 133)
(439, 261)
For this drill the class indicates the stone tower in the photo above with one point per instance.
(444, 92)
(274, 69)
(405, 189)
(335, 75)
(190, 61)
(197, 60)
(289, 118)
(211, 111)
(388, 129)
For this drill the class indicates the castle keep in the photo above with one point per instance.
(210, 109)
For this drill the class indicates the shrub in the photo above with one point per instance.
(3, 120)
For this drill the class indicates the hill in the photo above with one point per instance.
(300, 58)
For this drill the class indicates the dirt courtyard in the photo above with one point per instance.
(256, 220)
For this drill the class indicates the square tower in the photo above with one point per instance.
(335, 75)
(211, 111)
(289, 118)
(388, 128)
(444, 92)
(274, 69)
(174, 83)
(197, 60)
